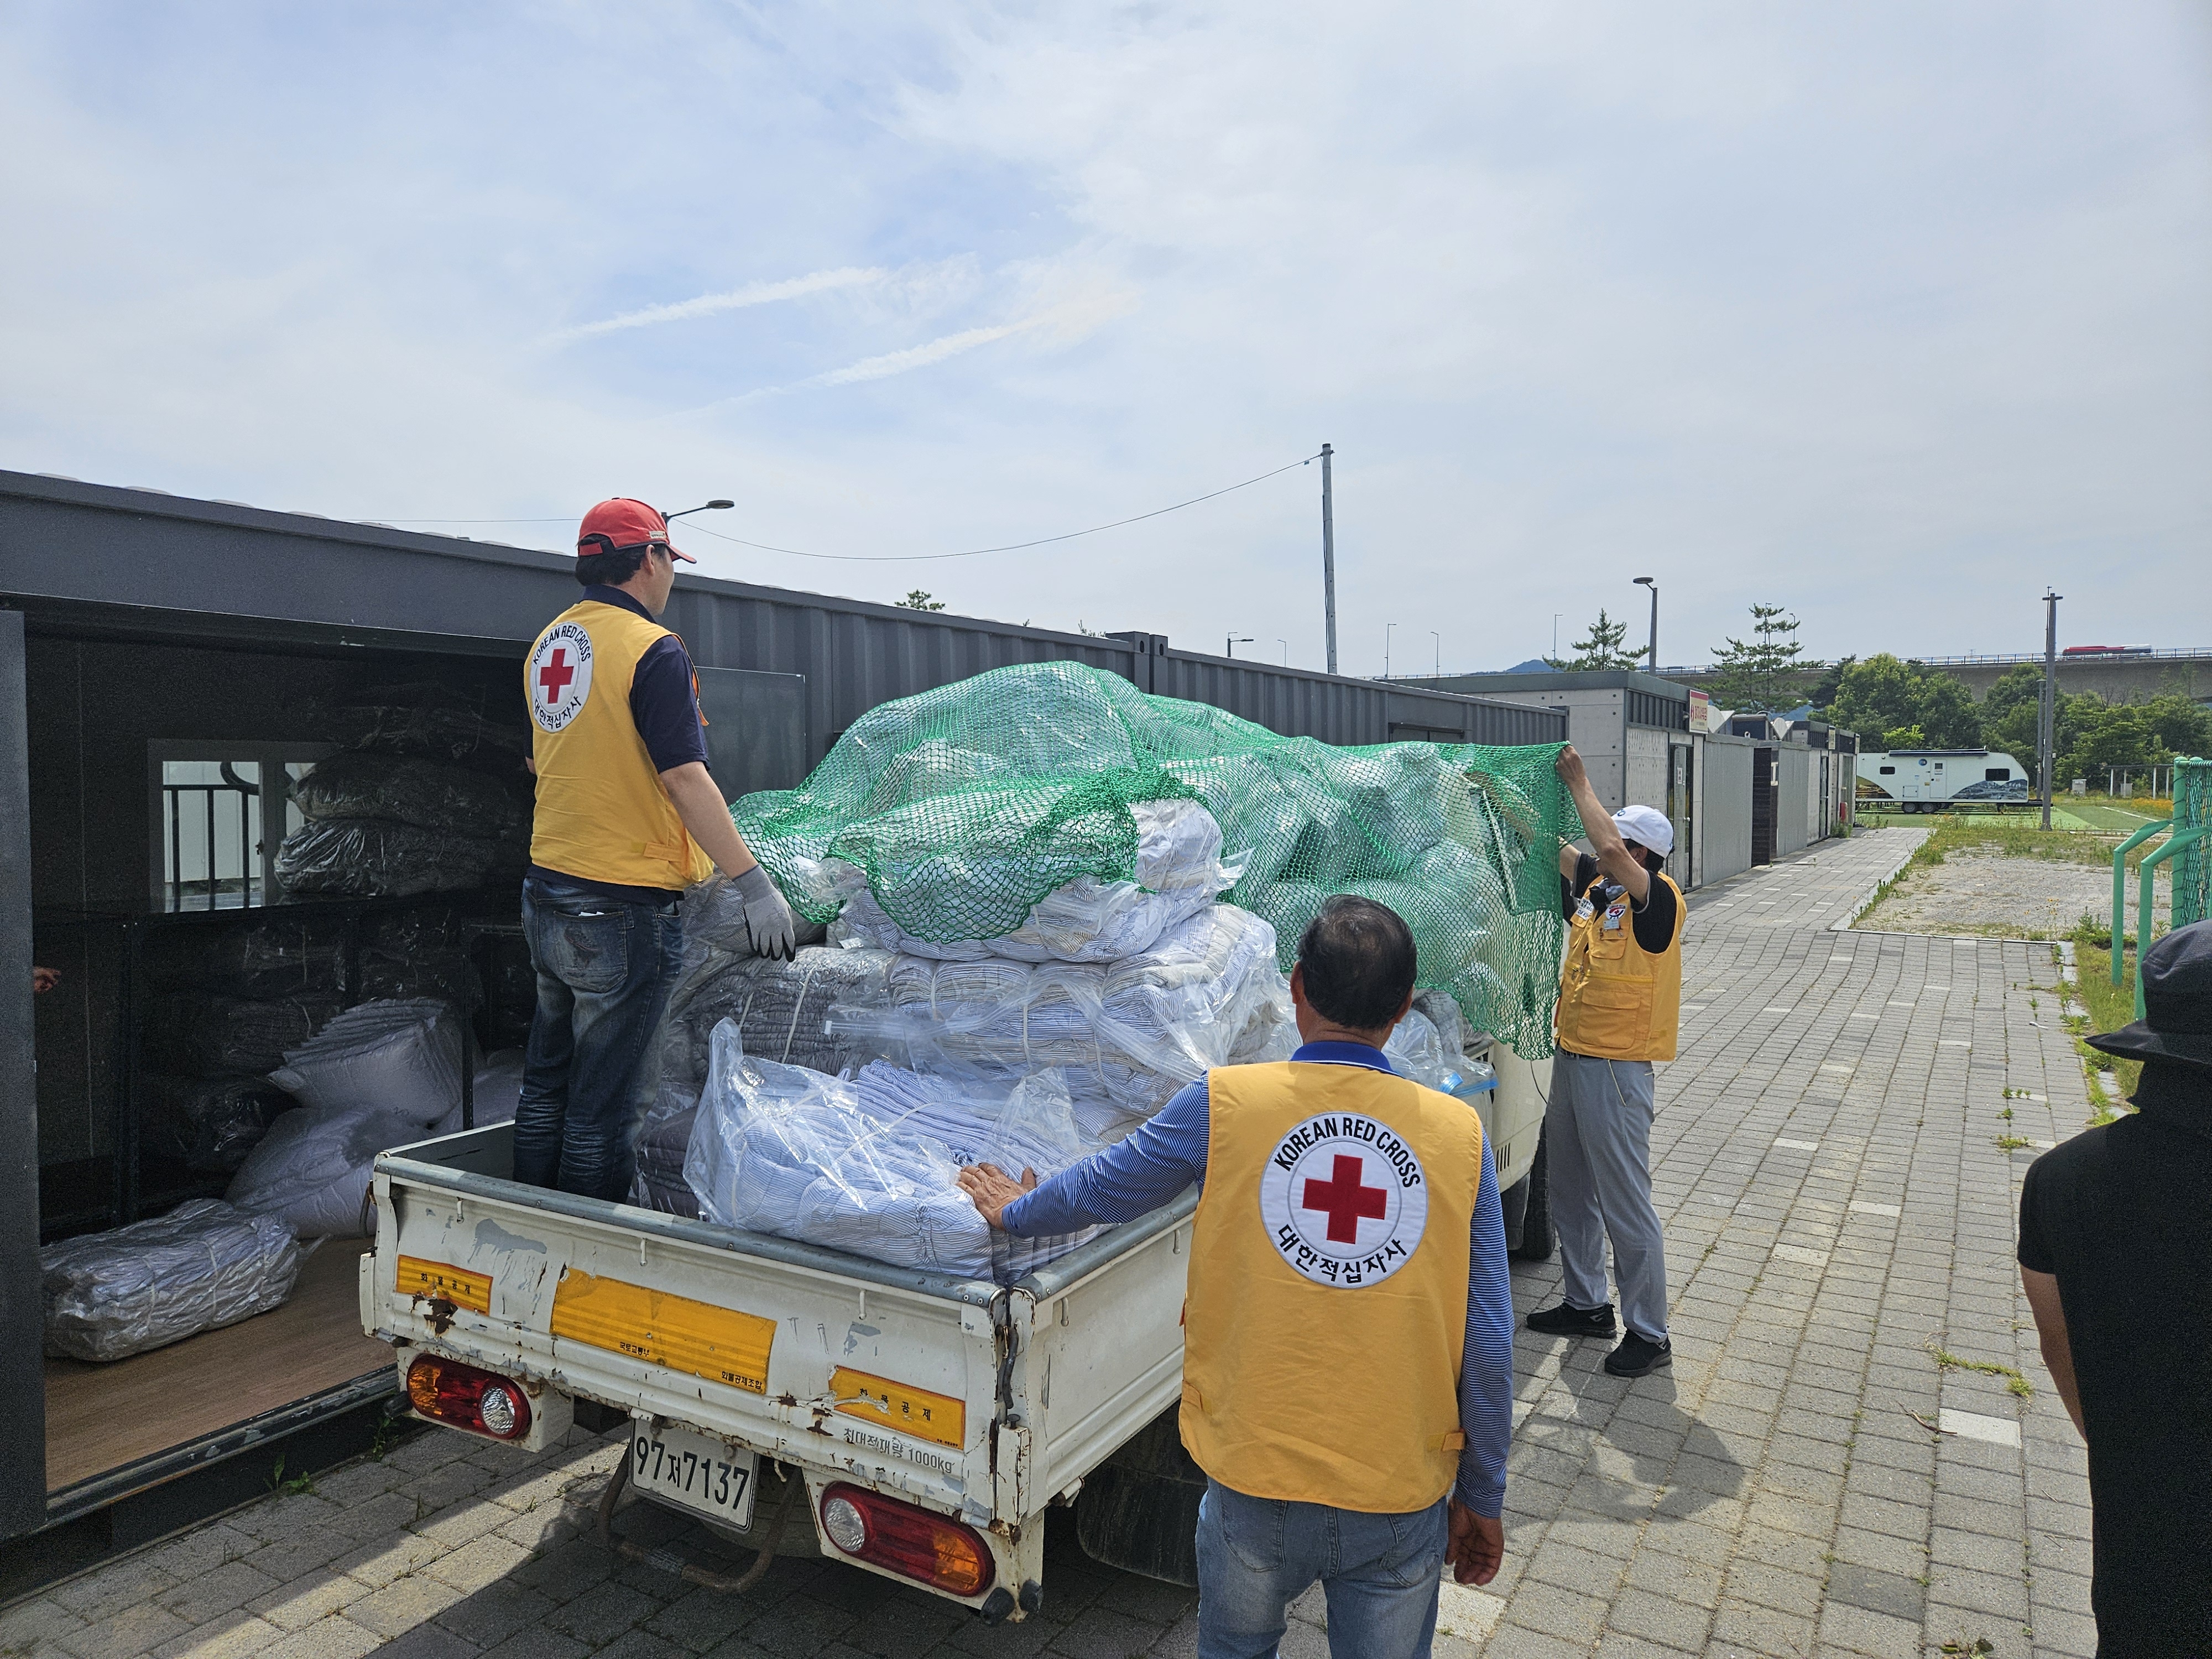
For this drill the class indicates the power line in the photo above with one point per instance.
(910, 558)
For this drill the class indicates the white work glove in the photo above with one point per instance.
(768, 918)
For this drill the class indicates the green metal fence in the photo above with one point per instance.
(2188, 848)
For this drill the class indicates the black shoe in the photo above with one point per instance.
(1563, 1320)
(1638, 1356)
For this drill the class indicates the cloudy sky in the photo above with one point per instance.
(1892, 314)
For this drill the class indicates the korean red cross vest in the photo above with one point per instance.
(602, 813)
(1617, 1000)
(1327, 1301)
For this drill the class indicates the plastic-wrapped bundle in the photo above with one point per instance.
(781, 1008)
(216, 1036)
(212, 1123)
(1132, 1031)
(379, 1076)
(377, 856)
(660, 1152)
(782, 1150)
(204, 1265)
(428, 719)
(413, 789)
(270, 956)
(1179, 873)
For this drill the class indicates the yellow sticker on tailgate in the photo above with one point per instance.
(889, 1405)
(436, 1278)
(720, 1344)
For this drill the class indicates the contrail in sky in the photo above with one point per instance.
(737, 299)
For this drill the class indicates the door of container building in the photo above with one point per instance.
(1680, 812)
(22, 1311)
(1766, 803)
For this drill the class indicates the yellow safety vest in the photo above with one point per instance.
(602, 813)
(1617, 1000)
(1327, 1298)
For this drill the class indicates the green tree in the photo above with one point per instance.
(1893, 704)
(1831, 681)
(1764, 677)
(1601, 649)
(917, 598)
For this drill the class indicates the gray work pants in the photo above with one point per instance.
(1597, 1159)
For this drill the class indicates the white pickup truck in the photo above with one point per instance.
(926, 1423)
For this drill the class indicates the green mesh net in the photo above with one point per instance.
(965, 805)
(2192, 866)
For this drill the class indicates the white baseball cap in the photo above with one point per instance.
(1647, 826)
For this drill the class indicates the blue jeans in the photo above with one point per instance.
(1257, 1555)
(605, 969)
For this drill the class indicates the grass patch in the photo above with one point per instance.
(2015, 838)
(2110, 1007)
(2014, 1382)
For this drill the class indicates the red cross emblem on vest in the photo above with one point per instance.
(559, 677)
(1345, 1198)
(555, 675)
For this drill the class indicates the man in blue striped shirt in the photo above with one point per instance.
(1354, 982)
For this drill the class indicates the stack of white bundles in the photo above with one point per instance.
(494, 1093)
(378, 1076)
(204, 1265)
(829, 1161)
(1125, 1035)
(1179, 872)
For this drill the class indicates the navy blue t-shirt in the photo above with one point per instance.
(664, 706)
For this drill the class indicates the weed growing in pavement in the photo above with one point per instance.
(2014, 1382)
(2013, 1143)
(297, 1484)
(1973, 1648)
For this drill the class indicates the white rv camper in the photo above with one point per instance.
(1937, 779)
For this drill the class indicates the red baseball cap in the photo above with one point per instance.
(619, 525)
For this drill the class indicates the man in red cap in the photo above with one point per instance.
(627, 818)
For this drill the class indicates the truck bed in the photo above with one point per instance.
(977, 1400)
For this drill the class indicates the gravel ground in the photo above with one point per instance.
(1999, 897)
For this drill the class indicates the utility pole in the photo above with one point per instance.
(1652, 583)
(2047, 721)
(1329, 553)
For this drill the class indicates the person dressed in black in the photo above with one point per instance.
(2116, 1257)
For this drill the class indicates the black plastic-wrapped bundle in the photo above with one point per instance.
(660, 1152)
(270, 956)
(378, 856)
(435, 795)
(210, 1123)
(202, 1034)
(429, 719)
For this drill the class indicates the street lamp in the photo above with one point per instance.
(1229, 647)
(1387, 627)
(1439, 639)
(1286, 644)
(1650, 582)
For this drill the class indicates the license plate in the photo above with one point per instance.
(710, 1476)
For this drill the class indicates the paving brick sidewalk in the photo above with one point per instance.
(1837, 1207)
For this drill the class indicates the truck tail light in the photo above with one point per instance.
(468, 1398)
(908, 1539)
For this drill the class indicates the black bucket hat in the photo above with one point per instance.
(2177, 988)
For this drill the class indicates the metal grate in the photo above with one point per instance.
(2192, 866)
